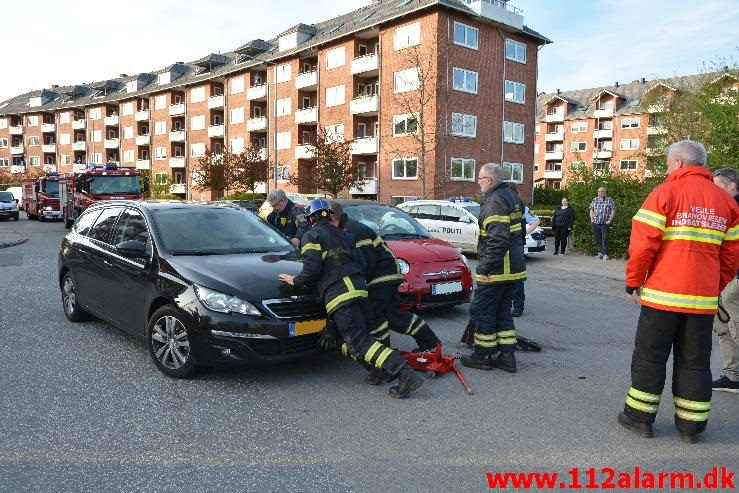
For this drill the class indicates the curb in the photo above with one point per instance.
(7, 244)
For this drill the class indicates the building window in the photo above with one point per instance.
(33, 121)
(405, 169)
(128, 156)
(627, 165)
(465, 35)
(406, 36)
(630, 123)
(160, 102)
(536, 166)
(406, 80)
(236, 145)
(283, 173)
(160, 153)
(160, 128)
(335, 58)
(513, 172)
(515, 91)
(197, 95)
(553, 166)
(629, 144)
(464, 125)
(335, 96)
(63, 118)
(283, 107)
(33, 141)
(235, 115)
(284, 140)
(578, 146)
(95, 113)
(237, 85)
(515, 50)
(465, 80)
(463, 169)
(197, 150)
(3, 142)
(34, 161)
(605, 105)
(405, 124)
(536, 149)
(537, 129)
(334, 133)
(282, 72)
(577, 166)
(605, 125)
(579, 127)
(513, 132)
(66, 159)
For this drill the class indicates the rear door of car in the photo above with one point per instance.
(458, 227)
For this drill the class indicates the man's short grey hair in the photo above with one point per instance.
(276, 195)
(493, 170)
(690, 151)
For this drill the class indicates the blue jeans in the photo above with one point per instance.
(491, 310)
(600, 237)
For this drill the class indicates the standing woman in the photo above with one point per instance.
(562, 222)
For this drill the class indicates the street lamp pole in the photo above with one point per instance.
(274, 133)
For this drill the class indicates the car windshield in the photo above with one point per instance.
(6, 197)
(51, 187)
(215, 230)
(114, 185)
(474, 209)
(388, 222)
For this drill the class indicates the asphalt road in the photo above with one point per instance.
(82, 408)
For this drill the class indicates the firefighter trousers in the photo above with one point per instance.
(383, 314)
(689, 337)
(360, 345)
(491, 311)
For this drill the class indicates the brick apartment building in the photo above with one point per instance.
(616, 128)
(354, 75)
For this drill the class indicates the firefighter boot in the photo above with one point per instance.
(641, 429)
(376, 376)
(505, 361)
(408, 381)
(479, 361)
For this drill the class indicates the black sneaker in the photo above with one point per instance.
(506, 362)
(687, 437)
(641, 429)
(376, 376)
(474, 360)
(408, 381)
(725, 384)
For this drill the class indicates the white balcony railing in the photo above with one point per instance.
(606, 113)
(365, 64)
(603, 134)
(369, 187)
(304, 151)
(48, 128)
(143, 164)
(143, 140)
(17, 149)
(16, 130)
(306, 80)
(111, 143)
(215, 102)
(553, 175)
(603, 154)
(559, 116)
(111, 121)
(79, 124)
(177, 162)
(79, 145)
(255, 93)
(553, 155)
(366, 145)
(177, 109)
(498, 11)
(178, 188)
(554, 136)
(364, 105)
(142, 115)
(307, 115)
(256, 124)
(177, 136)
(48, 148)
(216, 131)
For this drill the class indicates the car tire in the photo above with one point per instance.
(72, 309)
(16, 218)
(168, 342)
(68, 223)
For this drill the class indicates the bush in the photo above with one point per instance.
(549, 196)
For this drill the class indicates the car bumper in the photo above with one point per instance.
(8, 214)
(416, 290)
(51, 214)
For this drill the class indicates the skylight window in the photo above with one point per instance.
(403, 3)
(366, 16)
(336, 28)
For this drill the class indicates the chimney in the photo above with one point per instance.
(643, 80)
(557, 92)
(616, 84)
(55, 86)
(123, 75)
(726, 68)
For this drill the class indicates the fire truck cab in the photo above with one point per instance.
(41, 197)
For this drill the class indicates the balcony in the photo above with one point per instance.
(364, 105)
(48, 148)
(178, 188)
(79, 124)
(256, 124)
(553, 155)
(304, 151)
(498, 11)
(257, 93)
(215, 102)
(177, 162)
(606, 113)
(16, 130)
(553, 175)
(369, 187)
(111, 121)
(307, 115)
(307, 80)
(216, 131)
(656, 130)
(79, 146)
(111, 143)
(263, 154)
(177, 109)
(48, 128)
(143, 164)
(364, 146)
(15, 150)
(603, 134)
(603, 154)
(559, 116)
(177, 136)
(367, 65)
(554, 136)
(143, 140)
(142, 116)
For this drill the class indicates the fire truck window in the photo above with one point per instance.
(83, 223)
(103, 227)
(131, 227)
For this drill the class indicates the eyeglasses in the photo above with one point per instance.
(483, 178)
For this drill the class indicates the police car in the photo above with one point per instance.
(455, 221)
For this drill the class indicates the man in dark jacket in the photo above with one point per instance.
(286, 216)
(500, 263)
(330, 266)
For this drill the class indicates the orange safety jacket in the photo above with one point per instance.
(684, 245)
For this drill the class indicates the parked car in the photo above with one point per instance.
(18, 194)
(198, 281)
(265, 209)
(434, 272)
(457, 222)
(244, 204)
(8, 206)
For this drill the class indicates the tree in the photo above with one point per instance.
(216, 171)
(334, 169)
(250, 169)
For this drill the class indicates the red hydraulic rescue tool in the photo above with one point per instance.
(433, 362)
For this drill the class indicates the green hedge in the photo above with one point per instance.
(548, 196)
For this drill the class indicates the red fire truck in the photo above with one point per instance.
(80, 189)
(41, 197)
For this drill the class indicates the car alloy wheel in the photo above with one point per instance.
(69, 300)
(169, 343)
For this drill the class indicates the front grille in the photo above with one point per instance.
(460, 297)
(298, 308)
(293, 345)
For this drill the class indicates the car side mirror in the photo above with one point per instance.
(131, 248)
(16, 202)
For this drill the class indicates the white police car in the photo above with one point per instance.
(455, 221)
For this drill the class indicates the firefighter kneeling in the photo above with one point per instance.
(330, 266)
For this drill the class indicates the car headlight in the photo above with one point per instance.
(224, 303)
(403, 266)
(465, 261)
(47, 208)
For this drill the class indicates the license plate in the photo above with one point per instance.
(5, 214)
(307, 327)
(446, 288)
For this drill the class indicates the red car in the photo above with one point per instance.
(435, 273)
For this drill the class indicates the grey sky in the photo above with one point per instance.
(596, 42)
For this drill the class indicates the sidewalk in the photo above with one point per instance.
(9, 238)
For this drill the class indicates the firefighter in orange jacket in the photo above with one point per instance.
(683, 252)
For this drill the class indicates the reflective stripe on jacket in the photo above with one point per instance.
(380, 264)
(683, 248)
